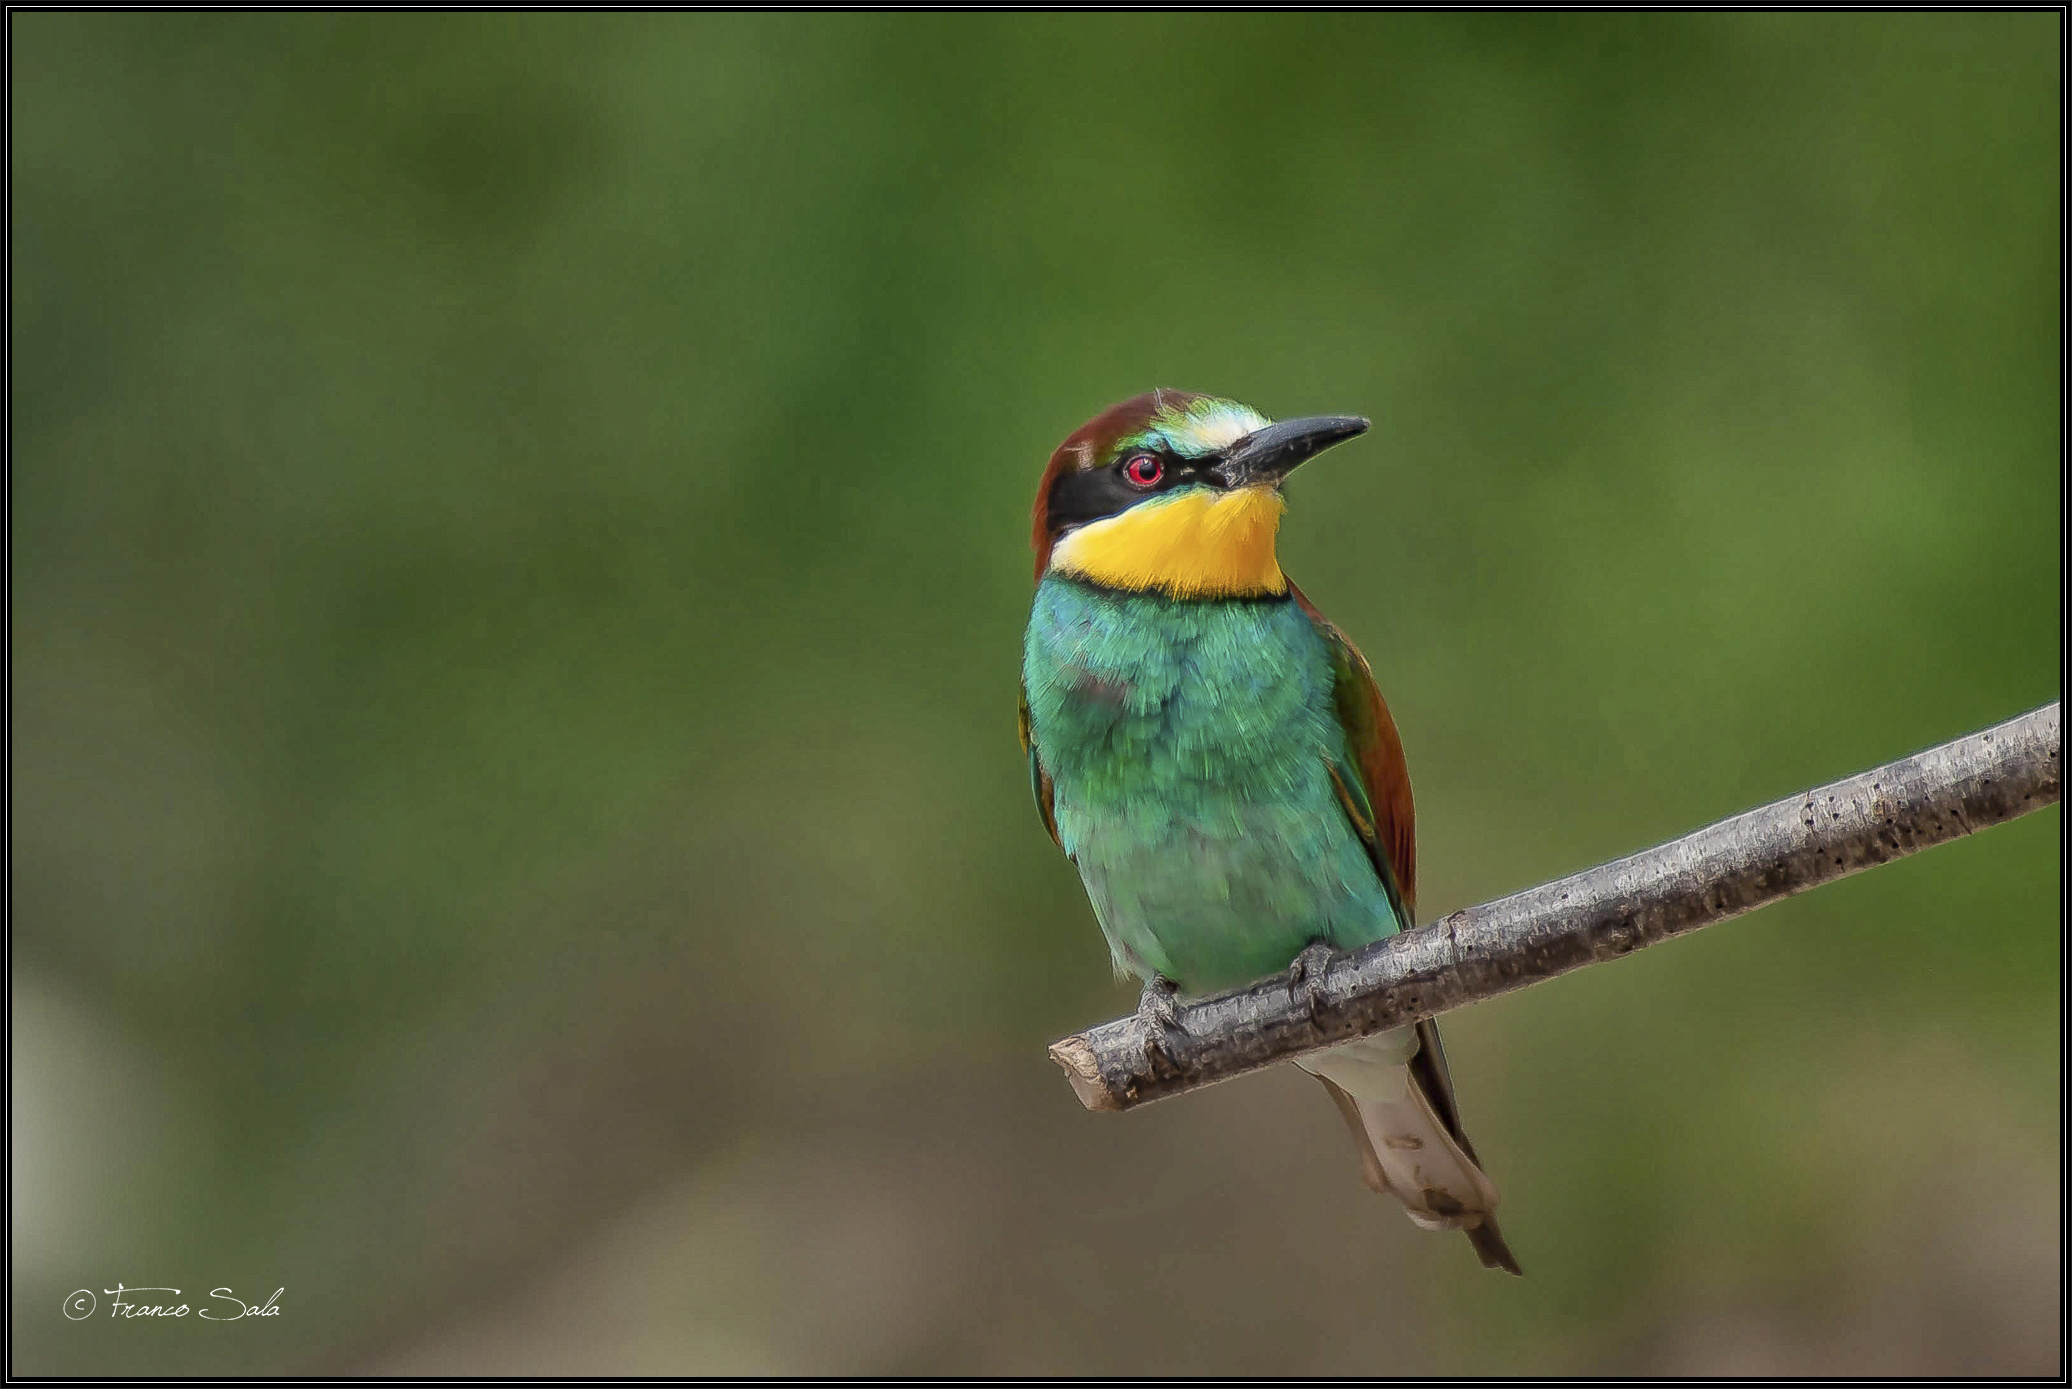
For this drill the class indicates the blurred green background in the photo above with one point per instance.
(519, 552)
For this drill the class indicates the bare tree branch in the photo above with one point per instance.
(1602, 913)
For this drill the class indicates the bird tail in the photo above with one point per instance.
(1397, 1098)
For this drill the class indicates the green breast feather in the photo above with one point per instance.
(1187, 748)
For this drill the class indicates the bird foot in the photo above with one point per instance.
(1157, 1016)
(1306, 974)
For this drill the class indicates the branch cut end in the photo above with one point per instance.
(1083, 1068)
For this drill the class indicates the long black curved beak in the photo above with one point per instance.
(1264, 457)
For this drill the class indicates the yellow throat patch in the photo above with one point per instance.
(1195, 544)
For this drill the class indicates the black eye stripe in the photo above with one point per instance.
(1094, 494)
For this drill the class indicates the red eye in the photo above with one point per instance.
(1144, 470)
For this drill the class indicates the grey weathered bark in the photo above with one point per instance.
(1599, 914)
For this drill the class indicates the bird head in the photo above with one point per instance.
(1175, 492)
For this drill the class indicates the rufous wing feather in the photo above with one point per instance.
(1039, 780)
(1377, 751)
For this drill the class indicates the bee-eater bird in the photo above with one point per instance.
(1215, 759)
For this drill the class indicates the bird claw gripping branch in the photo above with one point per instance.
(1306, 976)
(1157, 1016)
